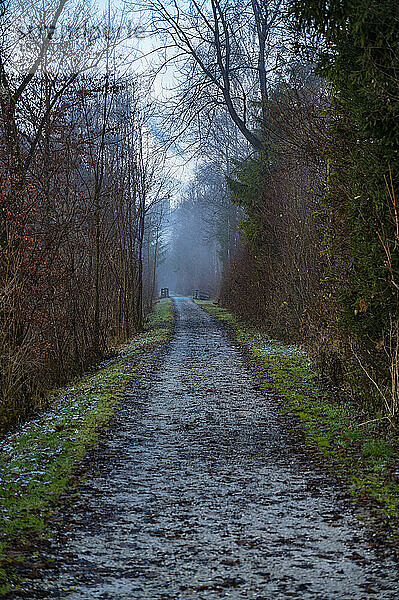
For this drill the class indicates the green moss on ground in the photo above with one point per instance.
(363, 453)
(38, 461)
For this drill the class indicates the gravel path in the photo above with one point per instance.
(199, 495)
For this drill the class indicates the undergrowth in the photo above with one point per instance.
(38, 461)
(361, 452)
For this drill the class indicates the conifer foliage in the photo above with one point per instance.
(358, 54)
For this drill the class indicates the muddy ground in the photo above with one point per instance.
(200, 492)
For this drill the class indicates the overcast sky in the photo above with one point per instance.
(142, 57)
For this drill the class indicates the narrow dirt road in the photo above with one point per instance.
(199, 495)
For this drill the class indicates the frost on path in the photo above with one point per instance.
(199, 495)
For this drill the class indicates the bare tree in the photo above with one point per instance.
(224, 52)
(78, 175)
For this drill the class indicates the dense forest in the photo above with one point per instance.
(286, 113)
(83, 196)
(313, 257)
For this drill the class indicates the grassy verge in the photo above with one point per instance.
(361, 451)
(37, 463)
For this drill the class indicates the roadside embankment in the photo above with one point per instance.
(40, 460)
(362, 451)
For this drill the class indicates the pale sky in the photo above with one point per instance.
(181, 166)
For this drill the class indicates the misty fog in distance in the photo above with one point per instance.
(203, 235)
